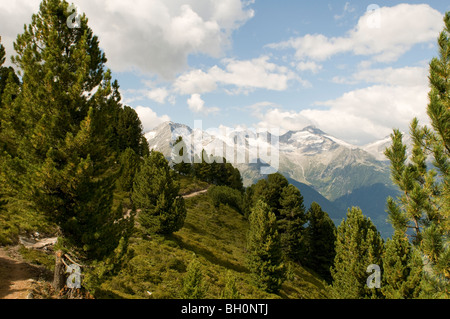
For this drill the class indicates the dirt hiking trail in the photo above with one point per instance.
(16, 276)
(194, 193)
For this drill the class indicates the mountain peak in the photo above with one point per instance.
(313, 129)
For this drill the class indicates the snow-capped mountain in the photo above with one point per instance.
(327, 170)
(377, 148)
(310, 156)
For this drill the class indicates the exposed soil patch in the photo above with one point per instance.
(16, 275)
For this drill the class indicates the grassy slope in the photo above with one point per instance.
(217, 237)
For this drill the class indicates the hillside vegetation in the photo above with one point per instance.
(136, 225)
(216, 237)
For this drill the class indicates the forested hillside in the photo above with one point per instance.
(128, 223)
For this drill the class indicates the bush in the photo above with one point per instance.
(227, 196)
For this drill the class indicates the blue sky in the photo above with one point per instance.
(352, 72)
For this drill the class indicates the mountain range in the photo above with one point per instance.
(327, 170)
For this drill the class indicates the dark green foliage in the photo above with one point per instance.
(248, 200)
(232, 177)
(218, 238)
(402, 266)
(265, 258)
(211, 169)
(63, 166)
(183, 162)
(230, 290)
(290, 223)
(286, 202)
(130, 163)
(156, 194)
(129, 132)
(201, 168)
(358, 245)
(274, 192)
(102, 270)
(193, 285)
(7, 74)
(2, 54)
(423, 209)
(227, 196)
(320, 241)
(270, 190)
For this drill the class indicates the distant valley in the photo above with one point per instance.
(331, 172)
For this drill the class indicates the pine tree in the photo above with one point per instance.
(12, 125)
(265, 259)
(193, 284)
(5, 73)
(230, 290)
(291, 223)
(402, 266)
(2, 53)
(286, 202)
(129, 131)
(76, 198)
(275, 185)
(155, 193)
(58, 157)
(423, 210)
(248, 200)
(182, 159)
(130, 163)
(358, 245)
(320, 241)
(202, 168)
(233, 177)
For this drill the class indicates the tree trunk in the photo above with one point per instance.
(58, 278)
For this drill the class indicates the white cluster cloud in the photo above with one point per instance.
(147, 36)
(149, 118)
(362, 115)
(157, 36)
(407, 76)
(385, 37)
(242, 75)
(197, 105)
(284, 120)
(13, 16)
(158, 95)
(394, 95)
(370, 113)
(309, 66)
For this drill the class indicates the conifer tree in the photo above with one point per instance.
(5, 73)
(291, 223)
(129, 131)
(130, 163)
(423, 210)
(320, 241)
(201, 168)
(230, 290)
(183, 162)
(273, 194)
(248, 200)
(402, 266)
(286, 202)
(155, 193)
(233, 177)
(58, 157)
(2, 54)
(193, 284)
(358, 245)
(265, 259)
